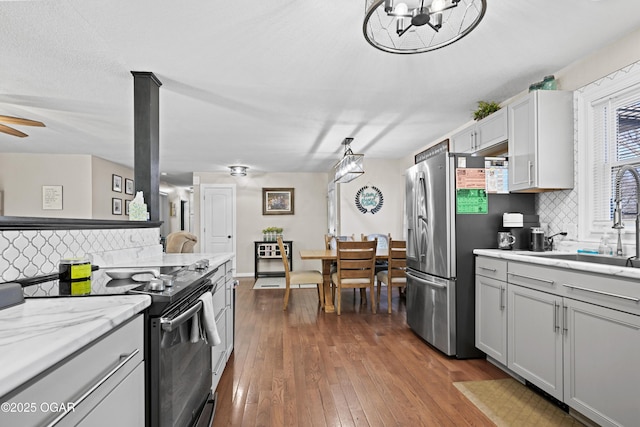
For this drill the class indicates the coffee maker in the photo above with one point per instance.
(520, 225)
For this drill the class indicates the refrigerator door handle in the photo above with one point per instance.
(427, 282)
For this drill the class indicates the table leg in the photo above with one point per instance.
(326, 282)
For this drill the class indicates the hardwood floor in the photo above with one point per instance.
(304, 367)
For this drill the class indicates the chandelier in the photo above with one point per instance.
(415, 26)
(350, 166)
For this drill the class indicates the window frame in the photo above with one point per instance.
(618, 86)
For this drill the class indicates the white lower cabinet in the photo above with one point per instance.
(100, 385)
(573, 334)
(224, 306)
(601, 353)
(534, 337)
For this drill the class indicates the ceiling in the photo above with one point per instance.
(275, 85)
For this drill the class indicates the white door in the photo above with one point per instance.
(217, 218)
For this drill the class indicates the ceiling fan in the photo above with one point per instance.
(16, 121)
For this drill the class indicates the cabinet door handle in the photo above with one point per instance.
(493, 270)
(556, 317)
(124, 359)
(529, 166)
(551, 282)
(471, 140)
(565, 320)
(502, 305)
(609, 294)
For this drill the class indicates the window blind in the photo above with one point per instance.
(616, 142)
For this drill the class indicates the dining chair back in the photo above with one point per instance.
(383, 243)
(299, 277)
(395, 274)
(330, 240)
(356, 269)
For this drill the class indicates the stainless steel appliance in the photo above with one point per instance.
(177, 371)
(442, 233)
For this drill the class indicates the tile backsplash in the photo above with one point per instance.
(28, 253)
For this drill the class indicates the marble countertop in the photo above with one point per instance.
(36, 335)
(169, 260)
(540, 258)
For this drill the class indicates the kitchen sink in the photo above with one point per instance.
(595, 259)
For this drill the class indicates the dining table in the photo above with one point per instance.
(328, 257)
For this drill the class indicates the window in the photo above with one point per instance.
(612, 128)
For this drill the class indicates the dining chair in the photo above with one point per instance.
(383, 243)
(356, 269)
(299, 277)
(395, 274)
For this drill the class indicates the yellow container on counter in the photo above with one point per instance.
(75, 276)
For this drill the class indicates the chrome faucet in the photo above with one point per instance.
(617, 212)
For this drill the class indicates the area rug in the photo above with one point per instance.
(278, 283)
(509, 403)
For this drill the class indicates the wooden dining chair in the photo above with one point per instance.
(395, 274)
(383, 244)
(356, 269)
(299, 277)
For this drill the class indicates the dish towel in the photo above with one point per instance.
(209, 320)
(196, 329)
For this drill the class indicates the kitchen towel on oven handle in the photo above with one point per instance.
(208, 320)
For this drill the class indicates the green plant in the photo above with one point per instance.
(484, 109)
(277, 230)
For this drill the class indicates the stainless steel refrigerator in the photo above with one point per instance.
(445, 223)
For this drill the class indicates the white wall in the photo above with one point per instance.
(388, 177)
(306, 228)
(23, 175)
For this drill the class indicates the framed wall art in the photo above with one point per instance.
(277, 201)
(52, 197)
(116, 206)
(126, 206)
(128, 186)
(116, 183)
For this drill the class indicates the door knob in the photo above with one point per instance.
(228, 237)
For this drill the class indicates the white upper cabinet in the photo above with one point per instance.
(541, 141)
(490, 131)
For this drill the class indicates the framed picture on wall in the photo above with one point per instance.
(128, 186)
(126, 206)
(116, 183)
(277, 201)
(116, 206)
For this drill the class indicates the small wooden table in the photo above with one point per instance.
(329, 256)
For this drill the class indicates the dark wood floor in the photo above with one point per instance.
(304, 367)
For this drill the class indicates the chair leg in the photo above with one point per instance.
(286, 296)
(373, 299)
(389, 288)
(321, 294)
(339, 298)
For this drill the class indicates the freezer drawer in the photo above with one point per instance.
(431, 310)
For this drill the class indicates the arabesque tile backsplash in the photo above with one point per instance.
(28, 253)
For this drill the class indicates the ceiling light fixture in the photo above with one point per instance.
(350, 166)
(238, 170)
(395, 26)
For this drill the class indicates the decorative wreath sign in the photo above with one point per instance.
(369, 199)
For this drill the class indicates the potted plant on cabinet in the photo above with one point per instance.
(270, 234)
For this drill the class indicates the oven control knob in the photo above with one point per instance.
(167, 280)
(156, 285)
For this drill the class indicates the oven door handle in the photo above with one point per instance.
(169, 324)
